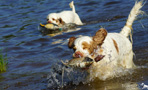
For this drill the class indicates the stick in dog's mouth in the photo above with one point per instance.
(82, 63)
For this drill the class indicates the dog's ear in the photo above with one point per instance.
(61, 21)
(71, 42)
(99, 37)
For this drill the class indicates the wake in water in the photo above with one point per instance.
(61, 76)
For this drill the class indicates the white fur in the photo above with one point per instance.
(78, 44)
(113, 60)
(126, 30)
(72, 6)
(66, 16)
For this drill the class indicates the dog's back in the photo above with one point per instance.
(67, 16)
(117, 49)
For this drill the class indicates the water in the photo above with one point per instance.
(31, 55)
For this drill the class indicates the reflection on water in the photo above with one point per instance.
(33, 56)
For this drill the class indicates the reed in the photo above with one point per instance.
(3, 62)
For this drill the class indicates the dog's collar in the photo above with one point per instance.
(97, 56)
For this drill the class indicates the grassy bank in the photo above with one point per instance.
(3, 62)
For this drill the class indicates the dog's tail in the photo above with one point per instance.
(72, 6)
(127, 29)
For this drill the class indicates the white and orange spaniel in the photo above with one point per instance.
(65, 17)
(110, 51)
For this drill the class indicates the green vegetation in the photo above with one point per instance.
(3, 62)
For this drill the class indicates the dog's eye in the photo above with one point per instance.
(53, 19)
(84, 47)
(74, 49)
(47, 19)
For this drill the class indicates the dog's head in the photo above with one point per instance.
(54, 18)
(85, 45)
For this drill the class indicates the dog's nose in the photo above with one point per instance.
(49, 22)
(78, 54)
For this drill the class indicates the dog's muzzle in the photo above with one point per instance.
(49, 22)
(78, 54)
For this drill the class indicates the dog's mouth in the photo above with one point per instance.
(82, 63)
(49, 21)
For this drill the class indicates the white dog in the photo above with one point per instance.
(110, 51)
(65, 17)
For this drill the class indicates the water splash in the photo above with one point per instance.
(61, 76)
(144, 86)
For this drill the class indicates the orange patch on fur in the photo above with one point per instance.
(60, 22)
(71, 42)
(88, 47)
(101, 51)
(100, 36)
(97, 40)
(116, 46)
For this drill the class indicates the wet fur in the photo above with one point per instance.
(65, 17)
(114, 49)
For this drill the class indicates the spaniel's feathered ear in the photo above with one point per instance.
(99, 37)
(71, 42)
(61, 21)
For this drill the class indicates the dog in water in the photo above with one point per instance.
(65, 17)
(110, 51)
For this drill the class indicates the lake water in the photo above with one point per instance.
(32, 56)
